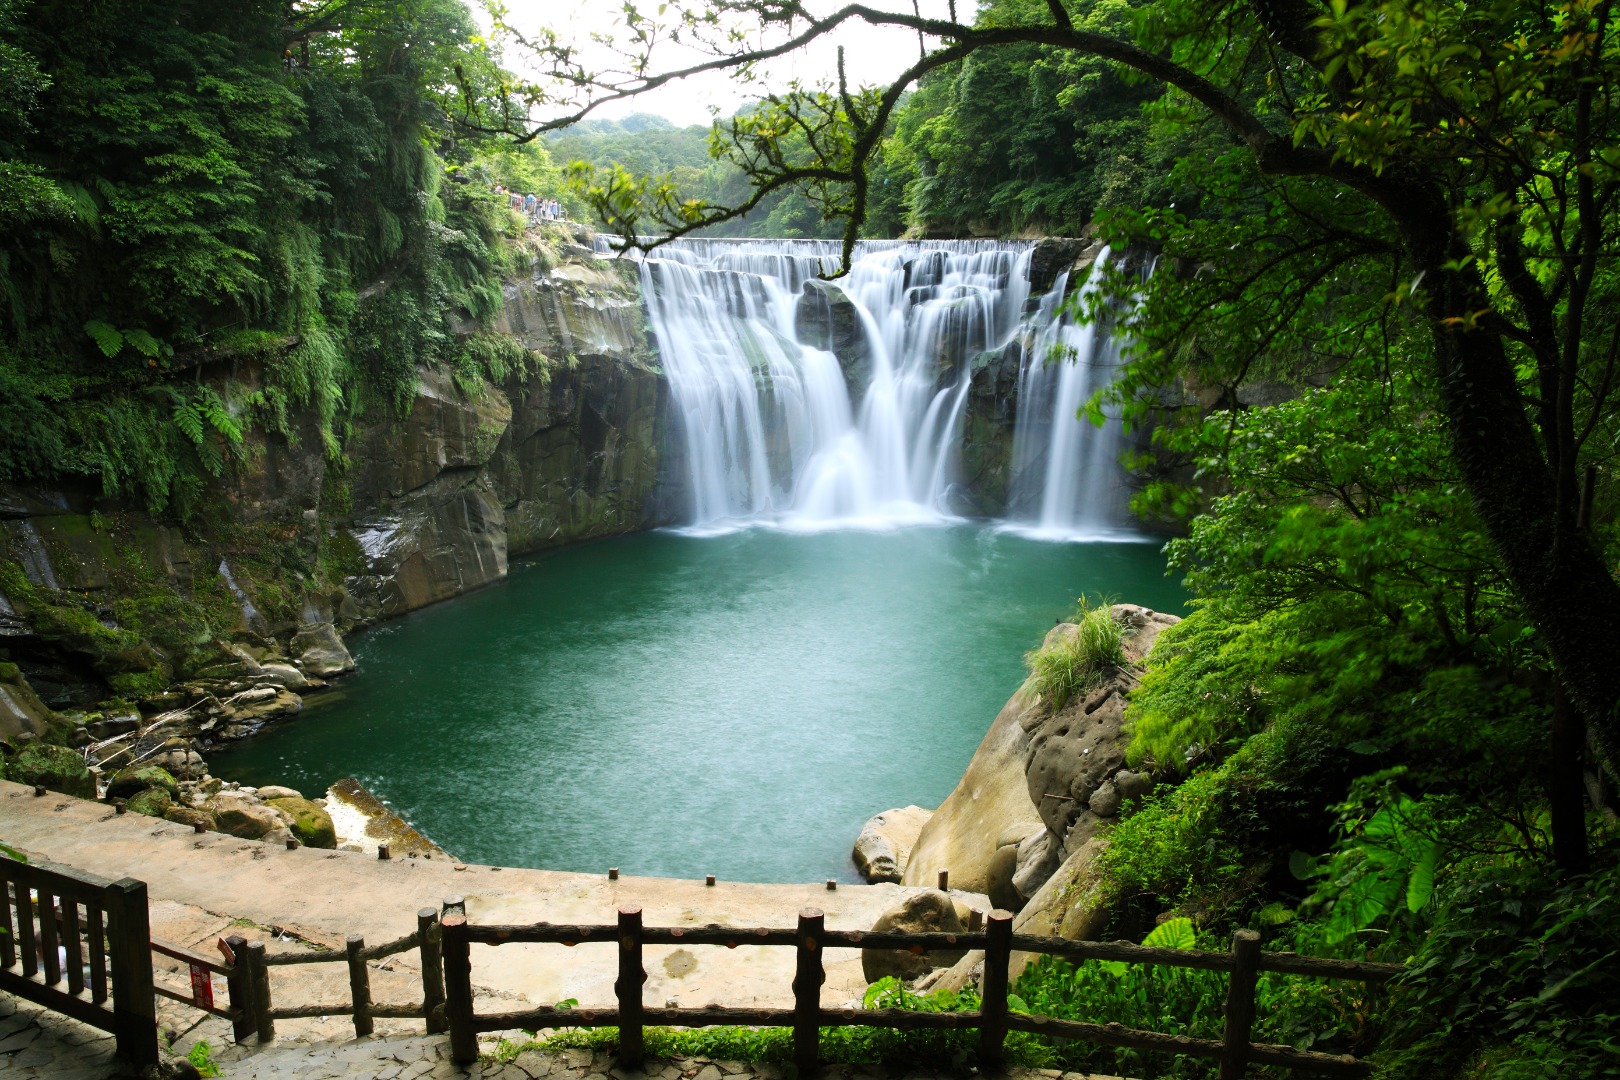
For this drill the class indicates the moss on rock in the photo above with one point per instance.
(57, 767)
(308, 821)
(190, 815)
(153, 802)
(138, 778)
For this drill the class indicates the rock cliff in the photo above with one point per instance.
(224, 619)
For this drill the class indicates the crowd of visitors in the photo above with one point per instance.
(536, 208)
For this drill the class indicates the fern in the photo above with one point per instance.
(109, 340)
(142, 342)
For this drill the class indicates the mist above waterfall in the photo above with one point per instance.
(810, 404)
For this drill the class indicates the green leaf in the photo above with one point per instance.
(1420, 886)
(110, 341)
(142, 342)
(1174, 933)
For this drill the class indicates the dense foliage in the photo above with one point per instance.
(1377, 358)
(254, 184)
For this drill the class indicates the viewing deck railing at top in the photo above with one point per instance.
(1234, 1050)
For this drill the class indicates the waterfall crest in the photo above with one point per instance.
(809, 404)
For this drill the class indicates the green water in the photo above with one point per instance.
(676, 706)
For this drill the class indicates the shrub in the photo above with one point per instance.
(1079, 659)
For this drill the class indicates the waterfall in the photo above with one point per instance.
(1066, 481)
(813, 403)
(809, 403)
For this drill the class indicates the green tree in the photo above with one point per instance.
(1470, 149)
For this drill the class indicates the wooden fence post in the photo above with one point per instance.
(239, 984)
(807, 982)
(631, 977)
(1240, 1003)
(458, 1003)
(427, 936)
(359, 984)
(259, 973)
(993, 1004)
(129, 933)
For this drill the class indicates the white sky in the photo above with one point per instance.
(871, 55)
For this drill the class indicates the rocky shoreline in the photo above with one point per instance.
(1025, 824)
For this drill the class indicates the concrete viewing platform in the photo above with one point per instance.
(204, 887)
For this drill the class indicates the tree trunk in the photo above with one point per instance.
(1567, 592)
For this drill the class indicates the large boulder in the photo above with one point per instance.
(1069, 905)
(886, 841)
(1073, 755)
(57, 767)
(138, 778)
(321, 652)
(153, 802)
(21, 710)
(191, 815)
(991, 798)
(239, 816)
(926, 911)
(306, 820)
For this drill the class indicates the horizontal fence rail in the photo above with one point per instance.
(1234, 1050)
(202, 971)
(250, 982)
(78, 945)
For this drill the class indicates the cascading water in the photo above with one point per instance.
(815, 404)
(1066, 480)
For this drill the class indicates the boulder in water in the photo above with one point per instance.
(991, 799)
(321, 652)
(886, 841)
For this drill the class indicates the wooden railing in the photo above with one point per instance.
(80, 945)
(201, 991)
(250, 982)
(1234, 1050)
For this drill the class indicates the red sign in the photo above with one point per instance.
(202, 987)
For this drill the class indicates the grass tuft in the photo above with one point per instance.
(1081, 660)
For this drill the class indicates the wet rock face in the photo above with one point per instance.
(826, 318)
(1057, 255)
(21, 710)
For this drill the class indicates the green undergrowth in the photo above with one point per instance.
(1080, 660)
(853, 1045)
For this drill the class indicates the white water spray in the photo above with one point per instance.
(812, 404)
(1067, 483)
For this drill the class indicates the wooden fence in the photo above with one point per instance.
(65, 935)
(1235, 1050)
(249, 981)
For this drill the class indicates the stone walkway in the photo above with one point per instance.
(36, 1043)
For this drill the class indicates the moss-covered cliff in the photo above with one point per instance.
(106, 609)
